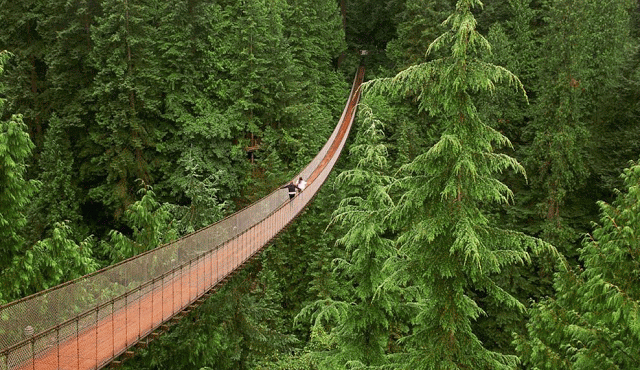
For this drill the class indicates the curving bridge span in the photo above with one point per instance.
(90, 322)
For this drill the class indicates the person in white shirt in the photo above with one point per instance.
(301, 184)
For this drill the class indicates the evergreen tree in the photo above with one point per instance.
(574, 72)
(58, 199)
(315, 37)
(419, 24)
(262, 67)
(150, 222)
(15, 189)
(593, 322)
(192, 36)
(514, 46)
(448, 250)
(126, 101)
(26, 268)
(616, 129)
(27, 86)
(359, 316)
(66, 27)
(204, 207)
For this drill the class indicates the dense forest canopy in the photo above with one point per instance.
(485, 216)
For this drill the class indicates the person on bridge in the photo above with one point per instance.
(301, 184)
(291, 187)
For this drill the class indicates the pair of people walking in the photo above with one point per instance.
(293, 189)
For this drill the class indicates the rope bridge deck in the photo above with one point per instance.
(88, 322)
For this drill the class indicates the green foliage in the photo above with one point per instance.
(204, 207)
(15, 189)
(194, 39)
(616, 107)
(584, 42)
(170, 92)
(124, 92)
(439, 213)
(514, 46)
(419, 23)
(315, 36)
(151, 227)
(47, 263)
(26, 268)
(26, 85)
(300, 260)
(58, 198)
(593, 320)
(359, 318)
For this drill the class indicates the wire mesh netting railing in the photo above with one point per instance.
(86, 323)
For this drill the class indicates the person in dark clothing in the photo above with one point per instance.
(291, 188)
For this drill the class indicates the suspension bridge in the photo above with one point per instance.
(93, 321)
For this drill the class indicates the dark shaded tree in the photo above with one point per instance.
(126, 100)
(575, 71)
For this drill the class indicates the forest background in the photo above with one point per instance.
(125, 124)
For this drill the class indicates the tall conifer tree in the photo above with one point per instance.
(26, 78)
(261, 74)
(66, 29)
(126, 101)
(361, 314)
(198, 140)
(448, 250)
(315, 35)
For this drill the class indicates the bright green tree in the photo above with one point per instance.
(359, 316)
(15, 189)
(593, 322)
(150, 222)
(26, 268)
(47, 263)
(448, 249)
